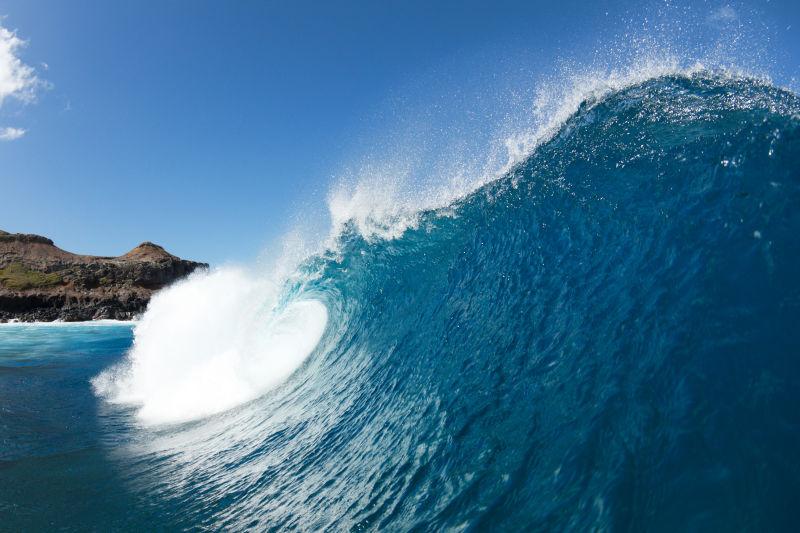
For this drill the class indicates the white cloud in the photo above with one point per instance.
(17, 80)
(11, 134)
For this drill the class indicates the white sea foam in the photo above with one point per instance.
(61, 324)
(210, 343)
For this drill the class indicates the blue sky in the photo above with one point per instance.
(209, 127)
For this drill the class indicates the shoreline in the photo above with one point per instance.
(102, 322)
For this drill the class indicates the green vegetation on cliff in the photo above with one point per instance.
(16, 277)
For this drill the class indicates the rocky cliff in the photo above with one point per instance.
(41, 282)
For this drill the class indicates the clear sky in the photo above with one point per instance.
(208, 126)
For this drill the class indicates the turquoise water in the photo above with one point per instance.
(55, 468)
(605, 338)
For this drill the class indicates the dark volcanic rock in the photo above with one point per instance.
(41, 282)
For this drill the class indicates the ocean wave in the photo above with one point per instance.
(604, 319)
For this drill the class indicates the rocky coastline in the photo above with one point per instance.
(41, 282)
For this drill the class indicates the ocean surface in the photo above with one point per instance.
(605, 338)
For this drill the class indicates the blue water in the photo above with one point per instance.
(606, 338)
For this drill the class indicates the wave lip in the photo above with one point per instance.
(211, 343)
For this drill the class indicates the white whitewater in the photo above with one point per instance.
(210, 343)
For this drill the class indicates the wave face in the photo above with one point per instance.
(605, 338)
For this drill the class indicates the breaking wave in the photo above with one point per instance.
(592, 335)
